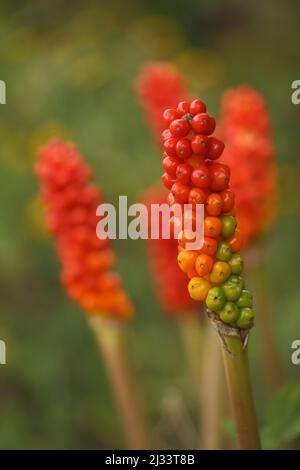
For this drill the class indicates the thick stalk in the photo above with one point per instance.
(111, 339)
(240, 392)
(211, 394)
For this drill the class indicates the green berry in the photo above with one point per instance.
(230, 313)
(246, 318)
(245, 299)
(233, 287)
(224, 252)
(215, 299)
(228, 225)
(236, 263)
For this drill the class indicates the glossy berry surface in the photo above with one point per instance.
(214, 268)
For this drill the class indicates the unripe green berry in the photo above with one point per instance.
(215, 299)
(236, 263)
(224, 252)
(229, 313)
(246, 318)
(228, 225)
(233, 287)
(245, 299)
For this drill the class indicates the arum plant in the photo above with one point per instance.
(215, 268)
(160, 86)
(87, 273)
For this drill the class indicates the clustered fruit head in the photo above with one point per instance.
(169, 281)
(71, 202)
(245, 129)
(193, 175)
(159, 86)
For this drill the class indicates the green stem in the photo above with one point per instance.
(240, 392)
(111, 338)
(211, 394)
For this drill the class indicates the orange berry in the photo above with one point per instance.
(186, 260)
(214, 204)
(192, 274)
(220, 272)
(209, 246)
(212, 227)
(236, 241)
(198, 288)
(204, 264)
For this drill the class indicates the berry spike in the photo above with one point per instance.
(195, 174)
(245, 128)
(158, 87)
(86, 261)
(215, 269)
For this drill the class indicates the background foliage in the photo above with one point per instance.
(69, 72)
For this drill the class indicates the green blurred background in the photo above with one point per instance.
(69, 71)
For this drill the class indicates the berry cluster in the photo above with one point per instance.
(245, 129)
(169, 281)
(193, 176)
(71, 202)
(159, 86)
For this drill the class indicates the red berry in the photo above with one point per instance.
(180, 192)
(197, 106)
(166, 134)
(203, 123)
(167, 180)
(183, 108)
(228, 199)
(183, 173)
(220, 176)
(215, 148)
(201, 177)
(199, 144)
(179, 127)
(183, 148)
(197, 196)
(170, 146)
(171, 200)
(170, 164)
(169, 115)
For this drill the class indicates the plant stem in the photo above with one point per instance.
(240, 392)
(212, 395)
(111, 338)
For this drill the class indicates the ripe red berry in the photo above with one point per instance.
(199, 144)
(170, 146)
(197, 196)
(167, 180)
(180, 192)
(183, 108)
(183, 173)
(220, 176)
(215, 148)
(183, 148)
(214, 204)
(170, 165)
(203, 123)
(170, 114)
(228, 200)
(179, 127)
(197, 106)
(201, 177)
(166, 134)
